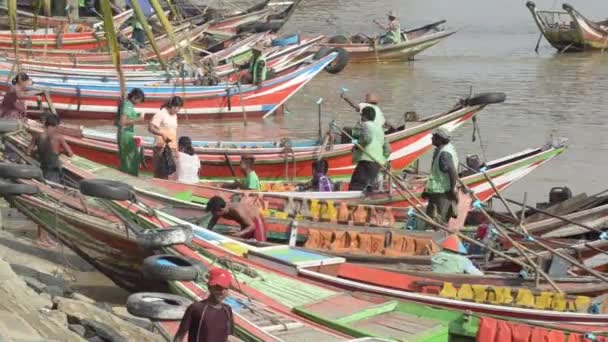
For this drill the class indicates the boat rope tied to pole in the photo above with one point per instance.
(477, 204)
(530, 238)
(604, 236)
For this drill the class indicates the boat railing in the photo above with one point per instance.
(555, 21)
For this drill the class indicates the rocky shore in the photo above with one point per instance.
(51, 294)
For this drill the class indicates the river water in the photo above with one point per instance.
(547, 94)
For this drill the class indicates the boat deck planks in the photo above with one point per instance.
(396, 325)
(338, 306)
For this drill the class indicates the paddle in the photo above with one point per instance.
(229, 165)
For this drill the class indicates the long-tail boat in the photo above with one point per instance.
(275, 161)
(368, 50)
(222, 101)
(261, 281)
(570, 31)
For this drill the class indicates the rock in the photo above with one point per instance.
(104, 331)
(82, 298)
(85, 311)
(54, 291)
(35, 284)
(25, 304)
(78, 329)
(122, 312)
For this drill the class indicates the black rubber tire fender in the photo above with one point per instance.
(8, 126)
(10, 189)
(157, 306)
(19, 171)
(157, 238)
(108, 189)
(486, 99)
(179, 268)
(339, 39)
(338, 64)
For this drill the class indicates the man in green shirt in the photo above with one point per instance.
(371, 139)
(452, 258)
(440, 188)
(257, 66)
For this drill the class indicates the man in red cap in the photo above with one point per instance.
(209, 320)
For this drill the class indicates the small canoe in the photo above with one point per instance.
(570, 31)
(417, 40)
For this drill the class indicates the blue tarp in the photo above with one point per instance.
(145, 6)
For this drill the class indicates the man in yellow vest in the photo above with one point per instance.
(452, 258)
(393, 30)
(257, 66)
(374, 154)
(371, 100)
(440, 188)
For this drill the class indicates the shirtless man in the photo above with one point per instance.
(50, 144)
(246, 215)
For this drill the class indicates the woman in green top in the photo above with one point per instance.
(127, 117)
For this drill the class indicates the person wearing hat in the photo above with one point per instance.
(452, 259)
(440, 188)
(209, 320)
(393, 30)
(371, 100)
(257, 65)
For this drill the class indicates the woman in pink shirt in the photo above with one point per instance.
(164, 126)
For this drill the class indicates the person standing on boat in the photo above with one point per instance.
(257, 66)
(164, 126)
(371, 139)
(130, 157)
(392, 28)
(209, 320)
(188, 163)
(248, 216)
(371, 100)
(13, 104)
(440, 188)
(452, 259)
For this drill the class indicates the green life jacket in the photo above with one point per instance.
(446, 262)
(257, 70)
(81, 3)
(439, 181)
(394, 35)
(374, 148)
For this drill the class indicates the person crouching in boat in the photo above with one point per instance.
(164, 126)
(452, 259)
(209, 320)
(258, 70)
(371, 139)
(320, 181)
(371, 100)
(130, 157)
(392, 28)
(440, 188)
(248, 216)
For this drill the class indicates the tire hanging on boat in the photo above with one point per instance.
(338, 64)
(18, 189)
(170, 267)
(485, 99)
(19, 171)
(163, 237)
(157, 306)
(107, 189)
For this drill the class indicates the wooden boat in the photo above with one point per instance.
(570, 31)
(260, 276)
(28, 20)
(274, 161)
(279, 59)
(371, 51)
(167, 49)
(211, 102)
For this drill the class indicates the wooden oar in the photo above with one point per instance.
(229, 165)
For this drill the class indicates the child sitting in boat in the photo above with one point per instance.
(251, 180)
(320, 181)
(246, 215)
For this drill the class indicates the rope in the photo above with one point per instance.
(477, 130)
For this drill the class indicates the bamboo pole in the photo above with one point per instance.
(139, 15)
(160, 13)
(524, 234)
(422, 215)
(108, 23)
